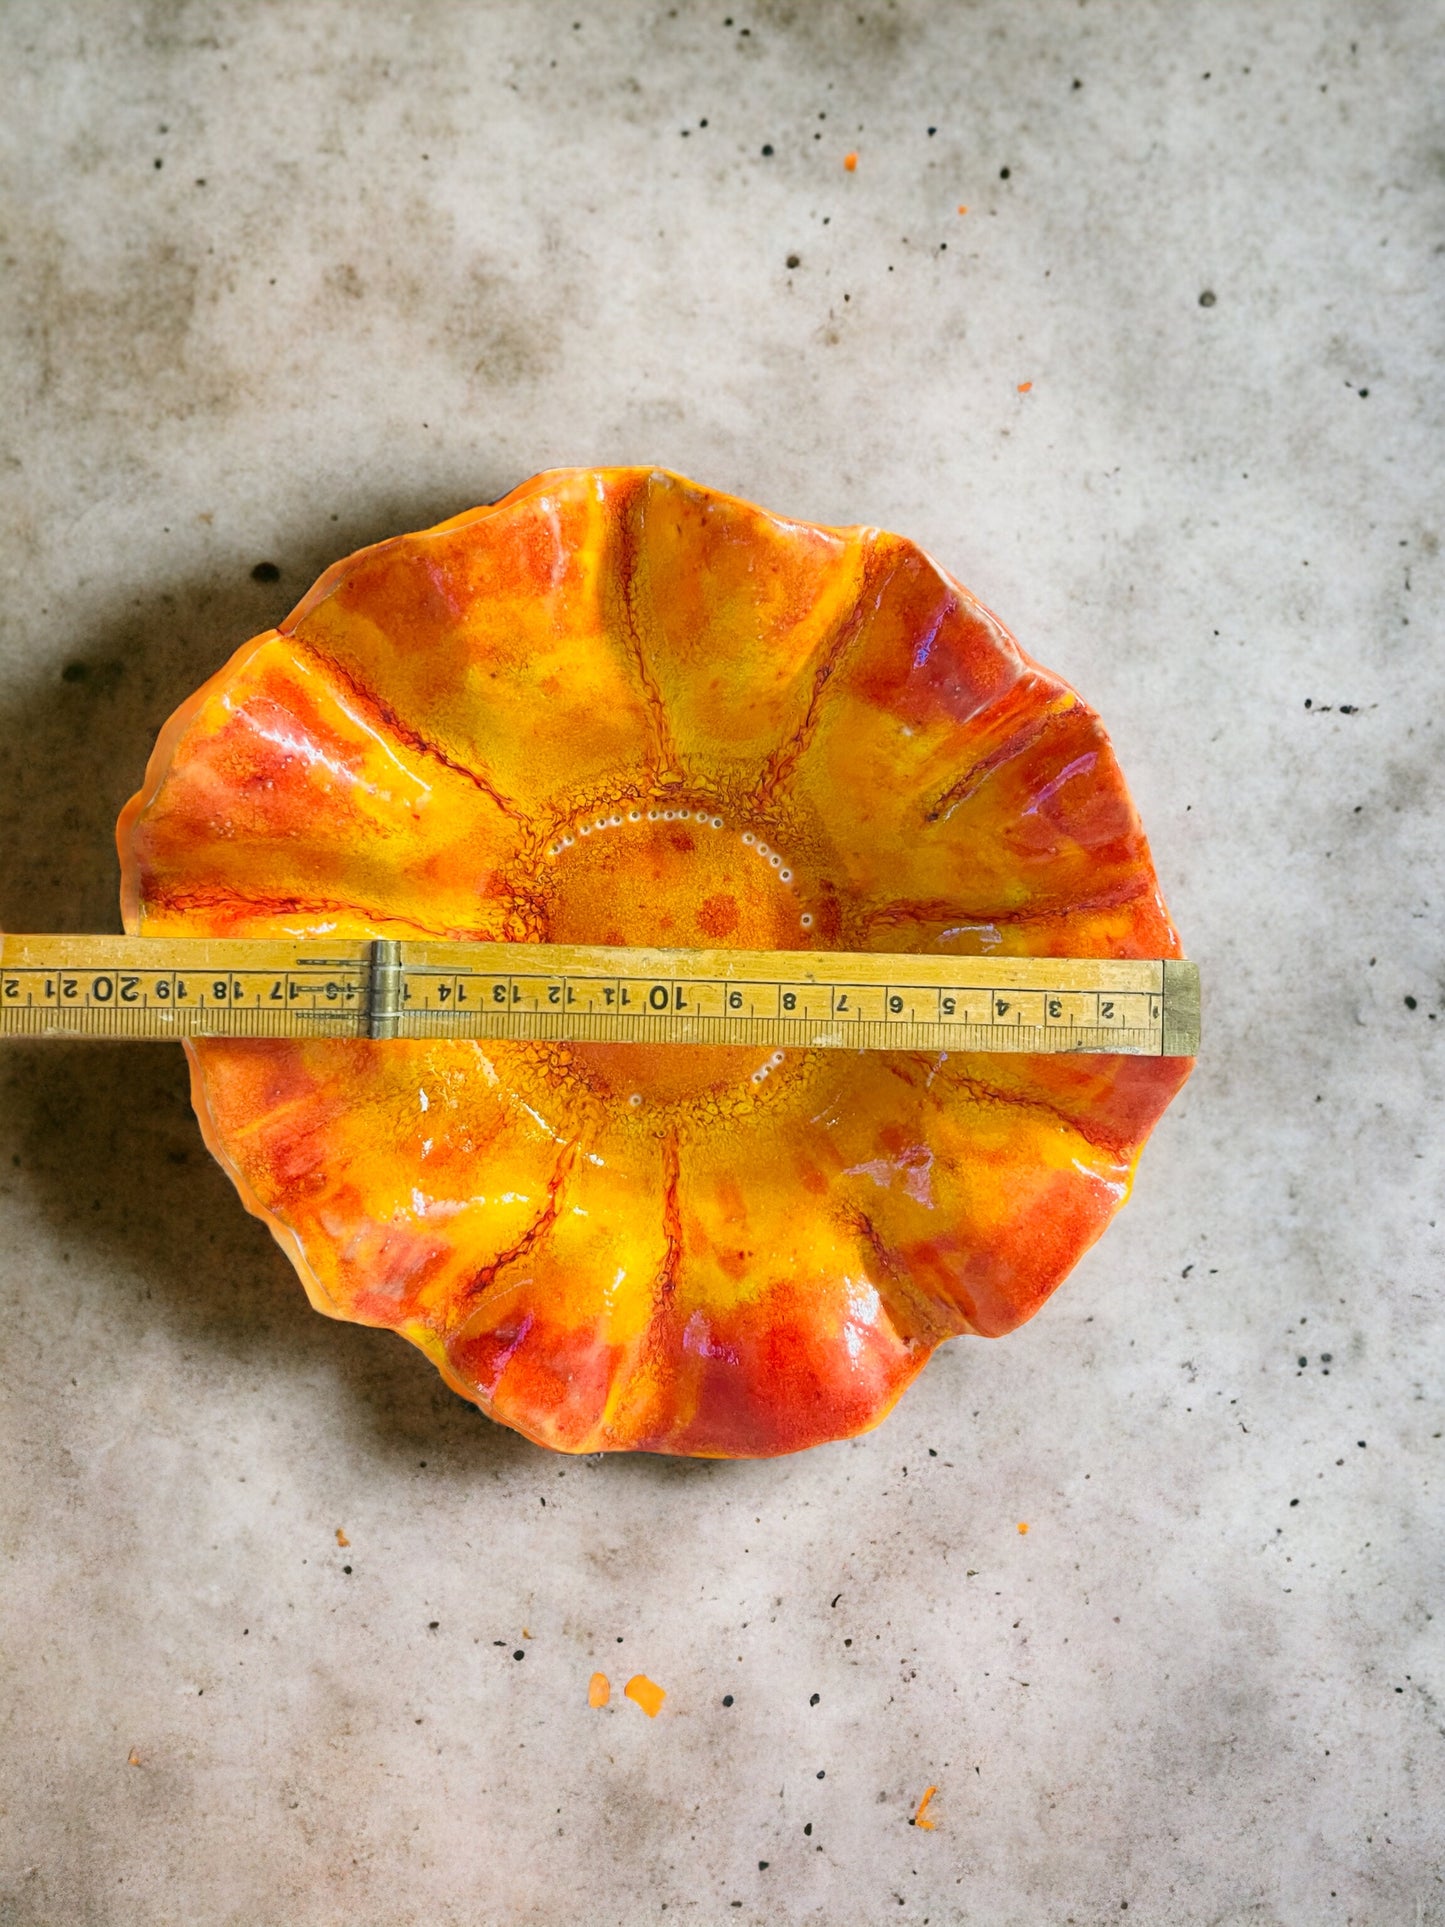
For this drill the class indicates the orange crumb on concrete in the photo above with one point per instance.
(961, 208)
(599, 1690)
(1023, 1525)
(341, 1538)
(525, 1633)
(646, 1693)
(918, 1819)
(1024, 387)
(132, 1758)
(850, 161)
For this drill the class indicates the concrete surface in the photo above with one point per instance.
(280, 279)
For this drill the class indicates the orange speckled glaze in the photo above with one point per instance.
(620, 708)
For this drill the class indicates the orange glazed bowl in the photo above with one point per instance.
(618, 708)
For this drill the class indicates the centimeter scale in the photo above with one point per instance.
(171, 987)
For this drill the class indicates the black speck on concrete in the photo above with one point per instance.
(794, 261)
(519, 1654)
(767, 150)
(1410, 1003)
(1207, 298)
(814, 1700)
(727, 1699)
(265, 572)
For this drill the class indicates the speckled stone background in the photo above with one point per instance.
(280, 279)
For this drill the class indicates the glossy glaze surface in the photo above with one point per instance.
(616, 707)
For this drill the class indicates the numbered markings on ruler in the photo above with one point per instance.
(581, 995)
(688, 1000)
(623, 996)
(905, 1006)
(174, 990)
(753, 1000)
(998, 1009)
(428, 990)
(1069, 1008)
(1129, 1011)
(1019, 1007)
(805, 1000)
(860, 1003)
(534, 993)
(653, 997)
(909, 1004)
(641, 997)
(965, 1007)
(61, 987)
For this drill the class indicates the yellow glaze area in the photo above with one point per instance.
(619, 708)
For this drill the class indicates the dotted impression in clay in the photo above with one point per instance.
(617, 708)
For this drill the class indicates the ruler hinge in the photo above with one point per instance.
(383, 990)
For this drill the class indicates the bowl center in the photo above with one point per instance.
(672, 877)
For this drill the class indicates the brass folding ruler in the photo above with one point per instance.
(169, 987)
